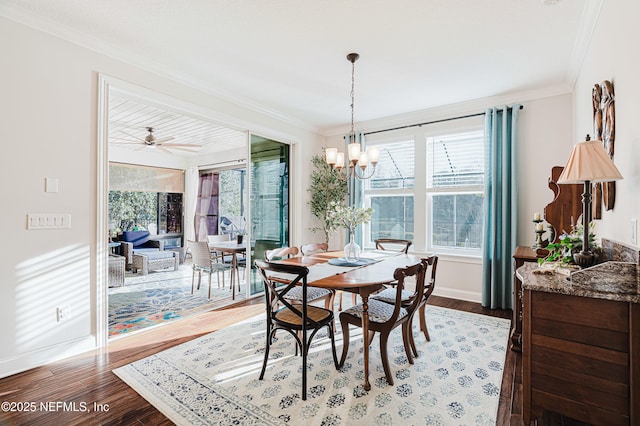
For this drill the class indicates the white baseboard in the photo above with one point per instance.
(452, 293)
(36, 358)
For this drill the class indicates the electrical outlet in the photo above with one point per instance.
(634, 231)
(63, 313)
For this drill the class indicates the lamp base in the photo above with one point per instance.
(584, 259)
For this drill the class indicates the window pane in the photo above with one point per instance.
(396, 166)
(456, 160)
(392, 217)
(457, 220)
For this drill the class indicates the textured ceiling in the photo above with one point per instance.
(287, 57)
(129, 119)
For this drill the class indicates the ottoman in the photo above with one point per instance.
(153, 261)
(116, 270)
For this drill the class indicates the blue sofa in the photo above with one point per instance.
(138, 242)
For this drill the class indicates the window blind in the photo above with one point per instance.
(455, 160)
(396, 168)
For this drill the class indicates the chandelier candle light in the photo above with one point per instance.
(357, 157)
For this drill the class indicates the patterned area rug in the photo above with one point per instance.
(213, 380)
(159, 297)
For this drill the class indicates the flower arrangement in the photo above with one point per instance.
(350, 217)
(569, 244)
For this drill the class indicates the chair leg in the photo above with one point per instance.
(266, 352)
(345, 342)
(333, 345)
(305, 349)
(406, 340)
(423, 321)
(193, 279)
(384, 337)
(209, 296)
(340, 302)
(412, 342)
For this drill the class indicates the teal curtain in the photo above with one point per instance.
(354, 198)
(500, 206)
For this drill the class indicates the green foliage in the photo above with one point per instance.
(350, 217)
(569, 244)
(327, 189)
(132, 209)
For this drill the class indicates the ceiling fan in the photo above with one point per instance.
(150, 141)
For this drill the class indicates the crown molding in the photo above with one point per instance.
(101, 47)
(590, 16)
(472, 106)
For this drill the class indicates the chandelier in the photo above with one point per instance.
(357, 159)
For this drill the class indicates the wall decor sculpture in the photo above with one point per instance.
(604, 129)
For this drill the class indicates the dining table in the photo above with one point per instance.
(233, 248)
(363, 279)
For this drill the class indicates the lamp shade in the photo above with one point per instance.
(589, 162)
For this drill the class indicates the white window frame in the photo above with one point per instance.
(422, 194)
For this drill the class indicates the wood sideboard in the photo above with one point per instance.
(581, 344)
(521, 255)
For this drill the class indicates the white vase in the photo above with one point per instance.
(352, 249)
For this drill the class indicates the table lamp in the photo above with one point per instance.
(588, 163)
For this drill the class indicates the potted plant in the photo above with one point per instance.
(568, 244)
(327, 189)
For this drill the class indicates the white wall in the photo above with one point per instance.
(49, 129)
(613, 55)
(544, 141)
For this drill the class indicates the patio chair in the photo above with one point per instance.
(203, 261)
(296, 319)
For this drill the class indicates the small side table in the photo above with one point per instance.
(520, 256)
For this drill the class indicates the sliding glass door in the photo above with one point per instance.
(269, 198)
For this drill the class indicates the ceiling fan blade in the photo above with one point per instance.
(160, 148)
(125, 143)
(191, 145)
(123, 139)
(134, 137)
(179, 148)
(162, 140)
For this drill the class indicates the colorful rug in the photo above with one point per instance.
(160, 297)
(211, 380)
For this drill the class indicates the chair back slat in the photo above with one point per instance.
(391, 244)
(312, 248)
(280, 253)
(400, 275)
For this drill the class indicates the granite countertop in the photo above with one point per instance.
(619, 281)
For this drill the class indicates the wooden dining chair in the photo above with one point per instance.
(204, 261)
(391, 244)
(295, 295)
(384, 317)
(389, 296)
(280, 253)
(313, 248)
(302, 321)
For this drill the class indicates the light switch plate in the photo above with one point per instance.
(51, 185)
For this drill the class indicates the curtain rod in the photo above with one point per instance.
(429, 122)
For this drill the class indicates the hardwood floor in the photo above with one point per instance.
(86, 379)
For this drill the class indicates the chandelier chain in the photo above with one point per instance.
(353, 83)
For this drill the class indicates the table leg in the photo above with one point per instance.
(234, 268)
(365, 339)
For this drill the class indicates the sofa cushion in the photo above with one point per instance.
(137, 238)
